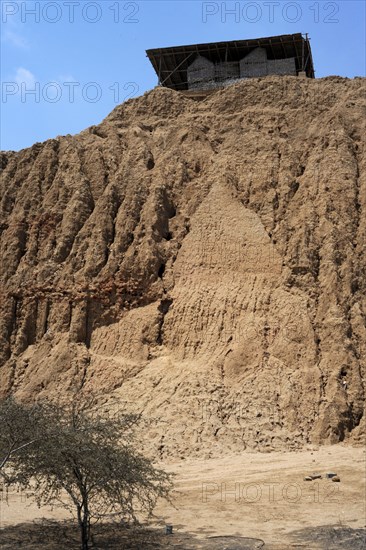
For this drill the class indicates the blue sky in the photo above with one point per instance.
(84, 57)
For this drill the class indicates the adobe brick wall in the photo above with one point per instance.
(204, 75)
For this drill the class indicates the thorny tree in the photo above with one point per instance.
(88, 465)
(20, 428)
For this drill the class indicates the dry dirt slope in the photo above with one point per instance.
(203, 261)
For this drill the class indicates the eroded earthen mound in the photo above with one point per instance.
(201, 261)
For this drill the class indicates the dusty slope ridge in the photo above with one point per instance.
(203, 261)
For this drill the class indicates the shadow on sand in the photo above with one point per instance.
(52, 535)
(331, 537)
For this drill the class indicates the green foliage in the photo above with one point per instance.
(20, 429)
(86, 462)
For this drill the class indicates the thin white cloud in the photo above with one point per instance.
(15, 39)
(23, 76)
(65, 78)
(12, 29)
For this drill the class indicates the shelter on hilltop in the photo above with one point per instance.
(208, 66)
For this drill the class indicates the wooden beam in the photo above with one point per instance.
(177, 67)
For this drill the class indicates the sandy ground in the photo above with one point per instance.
(264, 495)
(260, 496)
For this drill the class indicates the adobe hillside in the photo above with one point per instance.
(203, 261)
